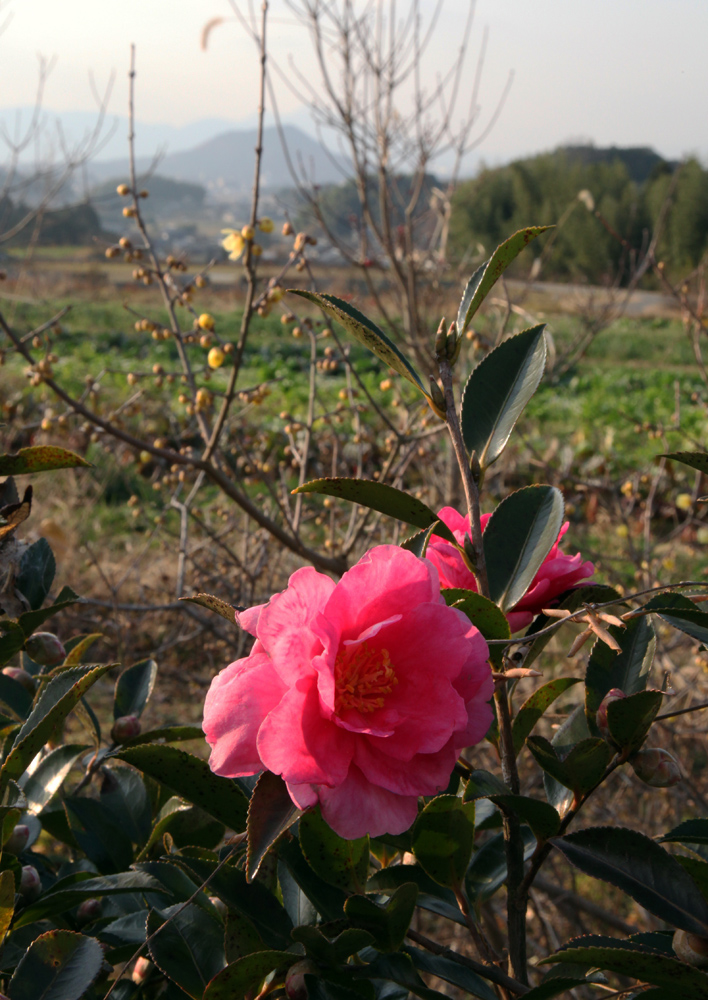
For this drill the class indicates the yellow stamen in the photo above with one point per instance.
(362, 677)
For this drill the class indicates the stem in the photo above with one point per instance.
(513, 842)
(491, 972)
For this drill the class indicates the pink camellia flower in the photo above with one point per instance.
(558, 571)
(361, 694)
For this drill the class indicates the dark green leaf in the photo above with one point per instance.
(31, 620)
(482, 785)
(11, 642)
(341, 863)
(627, 670)
(443, 837)
(694, 459)
(133, 688)
(399, 969)
(580, 769)
(467, 296)
(697, 869)
(166, 734)
(191, 778)
(487, 870)
(123, 793)
(37, 569)
(638, 866)
(630, 960)
(451, 972)
(573, 730)
(326, 899)
(189, 949)
(535, 706)
(518, 537)
(271, 811)
(540, 816)
(691, 831)
(40, 458)
(629, 719)
(58, 965)
(324, 988)
(380, 497)
(71, 891)
(418, 543)
(388, 924)
(15, 698)
(187, 825)
(250, 899)
(556, 986)
(497, 392)
(681, 613)
(431, 895)
(504, 254)
(94, 828)
(366, 332)
(332, 953)
(240, 937)
(60, 696)
(247, 973)
(48, 777)
(484, 615)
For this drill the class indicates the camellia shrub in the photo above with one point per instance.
(343, 798)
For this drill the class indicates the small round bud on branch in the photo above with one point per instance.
(17, 841)
(30, 883)
(691, 948)
(656, 767)
(22, 677)
(46, 649)
(125, 728)
(295, 988)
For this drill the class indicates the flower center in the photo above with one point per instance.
(362, 676)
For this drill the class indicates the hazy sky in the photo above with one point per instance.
(630, 72)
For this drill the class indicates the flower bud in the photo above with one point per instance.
(22, 677)
(656, 767)
(248, 232)
(265, 225)
(437, 399)
(30, 883)
(206, 321)
(141, 970)
(601, 718)
(691, 948)
(46, 649)
(440, 340)
(125, 728)
(17, 841)
(123, 190)
(90, 910)
(295, 988)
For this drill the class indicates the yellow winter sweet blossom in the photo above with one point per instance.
(233, 243)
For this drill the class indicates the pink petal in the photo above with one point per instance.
(304, 796)
(248, 619)
(298, 743)
(424, 774)
(356, 807)
(237, 702)
(283, 624)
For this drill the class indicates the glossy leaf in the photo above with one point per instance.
(535, 706)
(639, 867)
(431, 895)
(58, 965)
(246, 974)
(450, 972)
(48, 776)
(165, 734)
(573, 730)
(191, 777)
(483, 784)
(694, 459)
(14, 698)
(327, 952)
(327, 900)
(487, 870)
(697, 869)
(77, 648)
(504, 254)
(30, 621)
(540, 816)
(189, 949)
(330, 985)
(580, 769)
(271, 811)
(74, 889)
(341, 863)
(41, 458)
(366, 332)
(60, 696)
(629, 719)
(682, 614)
(133, 688)
(627, 670)
(517, 538)
(443, 837)
(484, 615)
(398, 968)
(388, 924)
(381, 497)
(418, 543)
(626, 959)
(7, 902)
(467, 296)
(691, 831)
(497, 392)
(240, 937)
(36, 573)
(94, 828)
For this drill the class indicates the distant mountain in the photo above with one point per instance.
(640, 161)
(224, 164)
